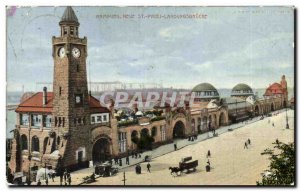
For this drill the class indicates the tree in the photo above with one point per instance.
(282, 167)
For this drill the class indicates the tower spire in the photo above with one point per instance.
(69, 15)
(69, 23)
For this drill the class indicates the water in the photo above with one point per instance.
(10, 122)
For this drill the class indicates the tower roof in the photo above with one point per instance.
(69, 15)
(241, 86)
(204, 87)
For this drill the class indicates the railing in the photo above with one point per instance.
(158, 118)
(127, 123)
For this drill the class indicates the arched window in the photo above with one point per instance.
(35, 144)
(45, 144)
(24, 143)
(153, 131)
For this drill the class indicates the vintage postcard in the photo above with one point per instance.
(150, 96)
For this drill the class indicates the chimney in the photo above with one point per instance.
(44, 96)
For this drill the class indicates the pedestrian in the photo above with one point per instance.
(140, 156)
(39, 182)
(46, 181)
(148, 167)
(127, 160)
(273, 124)
(192, 139)
(65, 175)
(246, 146)
(208, 154)
(116, 160)
(208, 162)
(61, 178)
(138, 169)
(120, 162)
(249, 142)
(69, 180)
(52, 176)
(175, 146)
(136, 155)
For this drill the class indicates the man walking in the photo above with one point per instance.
(246, 146)
(208, 162)
(127, 160)
(208, 154)
(249, 142)
(61, 178)
(65, 175)
(69, 180)
(175, 147)
(148, 167)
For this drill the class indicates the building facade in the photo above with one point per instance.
(69, 128)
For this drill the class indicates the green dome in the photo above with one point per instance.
(204, 87)
(242, 87)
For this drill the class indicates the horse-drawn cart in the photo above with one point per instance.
(188, 166)
(184, 165)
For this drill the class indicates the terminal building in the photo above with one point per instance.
(69, 128)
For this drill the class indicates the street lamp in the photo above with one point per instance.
(29, 158)
(287, 119)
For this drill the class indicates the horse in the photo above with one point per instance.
(174, 170)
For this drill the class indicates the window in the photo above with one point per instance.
(122, 142)
(78, 100)
(36, 120)
(79, 120)
(77, 67)
(65, 30)
(55, 122)
(72, 30)
(35, 144)
(59, 121)
(24, 119)
(47, 120)
(24, 142)
(63, 121)
(99, 118)
(60, 89)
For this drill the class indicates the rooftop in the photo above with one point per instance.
(35, 104)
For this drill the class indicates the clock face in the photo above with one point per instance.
(76, 52)
(61, 52)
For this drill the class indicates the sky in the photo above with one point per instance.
(231, 45)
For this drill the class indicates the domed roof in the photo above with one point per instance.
(204, 87)
(241, 86)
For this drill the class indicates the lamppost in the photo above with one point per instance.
(29, 158)
(287, 119)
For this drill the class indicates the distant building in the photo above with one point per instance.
(242, 91)
(205, 92)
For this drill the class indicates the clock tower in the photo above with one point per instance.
(70, 91)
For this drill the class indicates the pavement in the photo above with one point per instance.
(77, 176)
